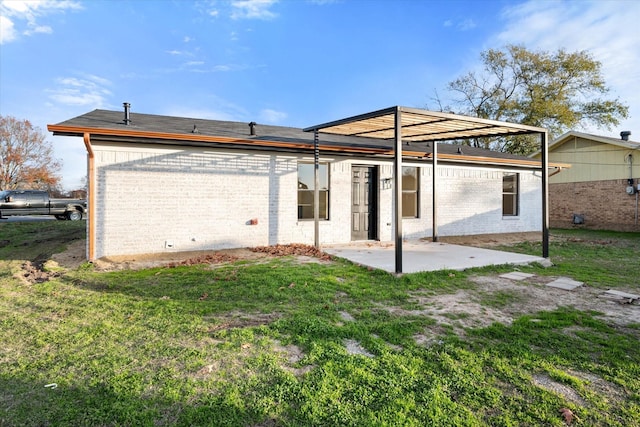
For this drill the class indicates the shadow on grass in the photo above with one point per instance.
(37, 241)
(29, 402)
(270, 286)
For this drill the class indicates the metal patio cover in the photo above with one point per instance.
(421, 126)
(404, 124)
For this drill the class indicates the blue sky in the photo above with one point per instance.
(288, 62)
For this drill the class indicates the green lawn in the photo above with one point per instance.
(266, 343)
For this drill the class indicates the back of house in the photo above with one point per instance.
(160, 184)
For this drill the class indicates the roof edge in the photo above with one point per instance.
(629, 145)
(128, 133)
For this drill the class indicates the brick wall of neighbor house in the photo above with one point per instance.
(155, 200)
(604, 205)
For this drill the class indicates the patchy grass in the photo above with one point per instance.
(603, 259)
(500, 299)
(37, 241)
(265, 343)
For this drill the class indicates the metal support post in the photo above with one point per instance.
(316, 190)
(434, 194)
(544, 150)
(398, 188)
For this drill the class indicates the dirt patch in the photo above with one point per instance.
(238, 319)
(592, 384)
(545, 382)
(173, 259)
(354, 347)
(510, 239)
(497, 299)
(73, 257)
(293, 355)
(212, 258)
(302, 253)
(33, 272)
(293, 249)
(488, 240)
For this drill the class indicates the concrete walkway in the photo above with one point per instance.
(426, 256)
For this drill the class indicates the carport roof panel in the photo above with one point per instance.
(422, 125)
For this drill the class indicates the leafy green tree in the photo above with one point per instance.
(558, 91)
(26, 157)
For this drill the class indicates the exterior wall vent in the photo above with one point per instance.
(127, 113)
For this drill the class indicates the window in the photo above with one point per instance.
(410, 192)
(306, 188)
(510, 194)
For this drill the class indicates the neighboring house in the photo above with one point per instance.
(162, 184)
(600, 190)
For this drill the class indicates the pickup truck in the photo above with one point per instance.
(36, 202)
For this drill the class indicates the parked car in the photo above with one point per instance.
(36, 202)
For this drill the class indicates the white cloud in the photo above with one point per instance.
(223, 110)
(7, 30)
(40, 29)
(253, 9)
(272, 116)
(466, 25)
(194, 63)
(198, 67)
(223, 67)
(461, 25)
(22, 16)
(88, 90)
(606, 29)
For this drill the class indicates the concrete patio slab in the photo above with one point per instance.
(420, 256)
(619, 295)
(565, 283)
(517, 275)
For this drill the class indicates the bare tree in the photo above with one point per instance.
(27, 158)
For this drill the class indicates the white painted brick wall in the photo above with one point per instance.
(470, 202)
(205, 199)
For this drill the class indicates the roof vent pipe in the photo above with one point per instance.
(127, 112)
(625, 135)
(252, 128)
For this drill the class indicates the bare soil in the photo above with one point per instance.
(75, 255)
(487, 240)
(473, 308)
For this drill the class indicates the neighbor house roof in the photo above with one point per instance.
(569, 136)
(372, 139)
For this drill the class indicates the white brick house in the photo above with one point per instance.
(161, 184)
